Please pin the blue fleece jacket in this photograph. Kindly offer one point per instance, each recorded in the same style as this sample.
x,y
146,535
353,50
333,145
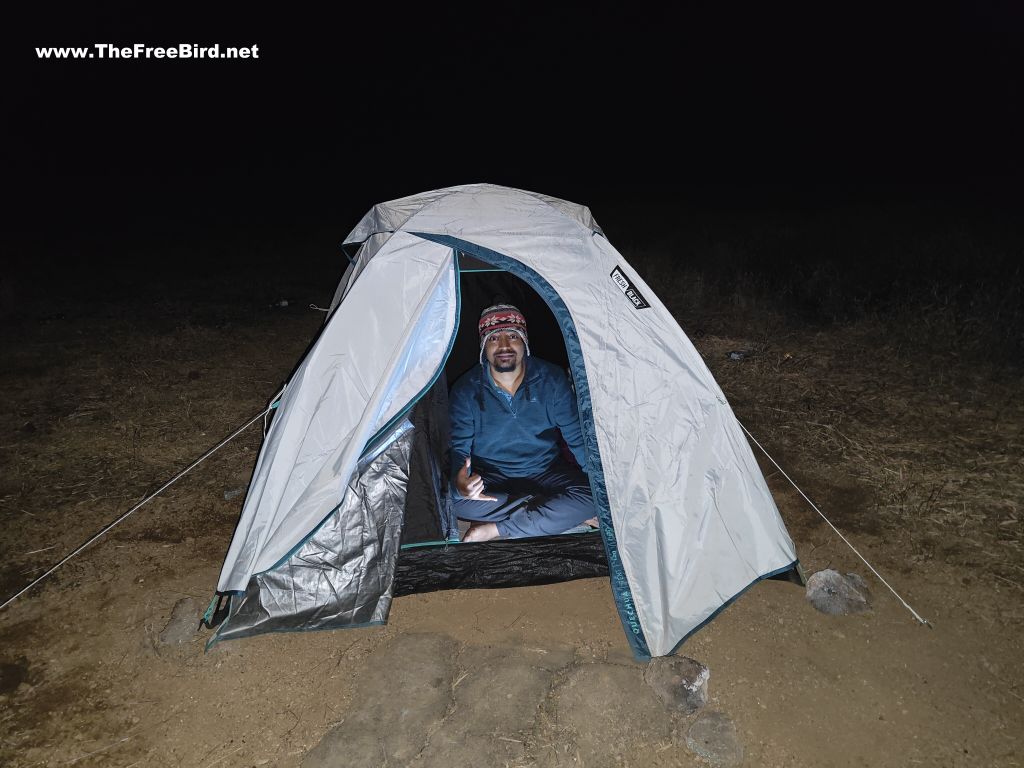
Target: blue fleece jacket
x,y
517,438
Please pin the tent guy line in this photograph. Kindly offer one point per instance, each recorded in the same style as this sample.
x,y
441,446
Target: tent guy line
x,y
107,528
151,496
266,411
838,533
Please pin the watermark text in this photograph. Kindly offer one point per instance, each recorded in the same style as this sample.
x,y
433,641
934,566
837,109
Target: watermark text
x,y
143,51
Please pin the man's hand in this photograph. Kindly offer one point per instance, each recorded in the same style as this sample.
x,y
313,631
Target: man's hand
x,y
471,486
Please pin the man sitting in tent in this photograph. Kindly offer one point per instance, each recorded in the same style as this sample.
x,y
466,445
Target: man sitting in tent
x,y
506,416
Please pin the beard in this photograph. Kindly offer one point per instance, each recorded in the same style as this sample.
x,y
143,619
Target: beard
x,y
503,362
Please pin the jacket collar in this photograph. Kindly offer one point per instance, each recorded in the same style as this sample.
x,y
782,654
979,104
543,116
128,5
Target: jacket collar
x,y
533,375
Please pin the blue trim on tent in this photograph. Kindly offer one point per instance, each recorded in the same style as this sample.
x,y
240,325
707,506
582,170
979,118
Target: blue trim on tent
x,y
795,565
418,544
620,585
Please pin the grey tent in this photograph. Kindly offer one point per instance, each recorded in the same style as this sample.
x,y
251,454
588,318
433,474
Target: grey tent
x,y
348,504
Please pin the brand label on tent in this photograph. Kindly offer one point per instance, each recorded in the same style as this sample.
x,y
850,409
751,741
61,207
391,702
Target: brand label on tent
x,y
639,302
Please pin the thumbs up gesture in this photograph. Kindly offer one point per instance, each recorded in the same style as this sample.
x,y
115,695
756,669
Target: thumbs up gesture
x,y
471,486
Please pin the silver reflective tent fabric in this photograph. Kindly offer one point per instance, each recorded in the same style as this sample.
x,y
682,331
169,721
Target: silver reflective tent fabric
x,y
689,521
342,575
377,352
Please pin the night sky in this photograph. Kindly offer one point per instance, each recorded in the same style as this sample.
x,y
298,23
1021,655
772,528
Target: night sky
x,y
599,104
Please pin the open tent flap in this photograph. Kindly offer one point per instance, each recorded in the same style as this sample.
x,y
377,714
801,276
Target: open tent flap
x,y
341,576
381,348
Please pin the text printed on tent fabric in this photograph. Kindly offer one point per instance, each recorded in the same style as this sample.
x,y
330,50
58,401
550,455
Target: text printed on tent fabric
x,y
639,302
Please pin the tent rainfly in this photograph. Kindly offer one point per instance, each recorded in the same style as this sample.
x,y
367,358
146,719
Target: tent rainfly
x,y
349,501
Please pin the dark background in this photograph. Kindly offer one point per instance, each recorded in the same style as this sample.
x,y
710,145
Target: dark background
x,y
716,113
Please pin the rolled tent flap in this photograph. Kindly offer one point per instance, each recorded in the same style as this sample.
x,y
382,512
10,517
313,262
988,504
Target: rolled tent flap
x,y
381,347
342,575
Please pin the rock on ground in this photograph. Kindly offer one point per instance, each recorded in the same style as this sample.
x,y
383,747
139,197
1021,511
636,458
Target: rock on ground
x,y
424,701
607,713
401,697
714,738
831,592
182,626
497,694
680,682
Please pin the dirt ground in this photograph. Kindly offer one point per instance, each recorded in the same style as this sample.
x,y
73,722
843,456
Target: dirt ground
x,y
916,455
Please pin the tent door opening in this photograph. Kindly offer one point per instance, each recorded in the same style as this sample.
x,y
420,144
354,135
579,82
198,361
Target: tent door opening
x,y
425,562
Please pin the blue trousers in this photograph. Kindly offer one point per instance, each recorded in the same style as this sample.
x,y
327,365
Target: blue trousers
x,y
556,501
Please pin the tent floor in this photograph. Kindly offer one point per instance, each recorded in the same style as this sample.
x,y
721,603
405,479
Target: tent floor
x,y
500,563
510,563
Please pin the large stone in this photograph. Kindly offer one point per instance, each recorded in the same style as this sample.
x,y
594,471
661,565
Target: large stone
x,y
714,738
401,697
182,626
604,715
498,692
831,592
680,682
502,688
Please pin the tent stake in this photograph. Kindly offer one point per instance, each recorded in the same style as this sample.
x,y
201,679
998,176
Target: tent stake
x,y
838,532
153,495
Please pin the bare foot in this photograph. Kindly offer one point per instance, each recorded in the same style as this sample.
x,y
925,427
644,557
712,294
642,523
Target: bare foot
x,y
482,532
592,522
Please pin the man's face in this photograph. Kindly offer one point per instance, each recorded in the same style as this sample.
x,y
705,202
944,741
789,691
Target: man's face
x,y
504,351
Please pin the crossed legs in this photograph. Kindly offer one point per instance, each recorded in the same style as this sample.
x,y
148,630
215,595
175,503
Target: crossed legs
x,y
560,500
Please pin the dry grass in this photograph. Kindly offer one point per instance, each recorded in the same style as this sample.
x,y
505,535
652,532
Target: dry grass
x,y
103,408
906,446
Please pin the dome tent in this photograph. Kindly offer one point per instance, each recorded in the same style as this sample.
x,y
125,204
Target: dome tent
x,y
356,449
